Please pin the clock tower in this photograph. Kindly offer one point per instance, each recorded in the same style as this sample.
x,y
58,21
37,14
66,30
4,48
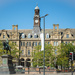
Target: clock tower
x,y
36,28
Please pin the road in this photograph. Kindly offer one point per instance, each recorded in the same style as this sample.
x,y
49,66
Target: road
x,y
42,74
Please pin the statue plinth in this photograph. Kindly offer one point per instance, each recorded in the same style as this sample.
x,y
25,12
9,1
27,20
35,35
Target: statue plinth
x,y
7,65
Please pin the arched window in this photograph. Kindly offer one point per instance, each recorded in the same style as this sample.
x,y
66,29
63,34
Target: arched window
x,y
23,35
35,36
47,35
29,36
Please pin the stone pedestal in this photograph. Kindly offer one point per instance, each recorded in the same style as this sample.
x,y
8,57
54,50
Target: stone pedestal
x,y
7,65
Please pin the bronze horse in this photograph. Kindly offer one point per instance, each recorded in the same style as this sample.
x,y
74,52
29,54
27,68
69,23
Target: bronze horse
x,y
6,47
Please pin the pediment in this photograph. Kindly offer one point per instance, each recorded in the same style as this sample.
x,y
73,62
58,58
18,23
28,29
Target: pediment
x,y
4,34
67,34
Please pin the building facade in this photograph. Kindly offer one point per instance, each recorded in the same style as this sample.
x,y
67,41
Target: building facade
x,y
27,39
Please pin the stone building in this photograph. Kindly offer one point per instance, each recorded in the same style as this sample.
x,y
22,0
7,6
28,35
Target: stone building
x,y
28,38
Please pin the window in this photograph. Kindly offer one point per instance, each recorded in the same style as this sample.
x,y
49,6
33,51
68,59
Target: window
x,y
55,43
66,42
23,43
35,36
29,36
39,43
67,35
3,36
48,42
35,43
23,36
22,52
28,52
29,43
47,35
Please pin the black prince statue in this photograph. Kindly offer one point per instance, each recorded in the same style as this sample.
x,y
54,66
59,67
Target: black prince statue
x,y
6,46
7,64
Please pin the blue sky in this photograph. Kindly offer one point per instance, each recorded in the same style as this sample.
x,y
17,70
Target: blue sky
x,y
21,12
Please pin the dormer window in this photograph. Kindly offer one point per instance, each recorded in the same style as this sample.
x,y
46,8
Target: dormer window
x,y
29,36
3,36
67,35
23,35
35,36
47,35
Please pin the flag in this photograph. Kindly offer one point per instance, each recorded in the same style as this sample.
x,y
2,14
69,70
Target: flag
x,y
42,41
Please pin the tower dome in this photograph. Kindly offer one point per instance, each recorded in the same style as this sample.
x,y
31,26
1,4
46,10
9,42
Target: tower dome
x,y
36,7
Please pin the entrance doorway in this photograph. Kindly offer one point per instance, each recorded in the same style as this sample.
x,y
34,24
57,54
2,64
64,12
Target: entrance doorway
x,y
28,64
22,62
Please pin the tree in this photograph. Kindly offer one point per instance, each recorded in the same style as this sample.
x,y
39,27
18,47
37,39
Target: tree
x,y
38,56
63,54
14,50
1,48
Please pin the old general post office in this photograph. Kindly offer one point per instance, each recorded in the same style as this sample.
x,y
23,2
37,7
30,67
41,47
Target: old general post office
x,y
27,39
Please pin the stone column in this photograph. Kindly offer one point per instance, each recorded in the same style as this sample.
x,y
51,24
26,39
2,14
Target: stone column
x,y
31,63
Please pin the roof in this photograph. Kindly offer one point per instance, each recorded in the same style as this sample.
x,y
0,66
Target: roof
x,y
36,7
49,31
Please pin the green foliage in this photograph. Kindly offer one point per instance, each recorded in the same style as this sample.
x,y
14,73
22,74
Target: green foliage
x,y
63,54
14,50
38,56
62,57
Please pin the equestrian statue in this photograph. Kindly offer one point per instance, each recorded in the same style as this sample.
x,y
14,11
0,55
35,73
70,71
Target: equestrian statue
x,y
6,47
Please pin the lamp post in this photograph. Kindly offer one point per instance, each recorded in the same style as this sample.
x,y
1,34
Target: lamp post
x,y
44,43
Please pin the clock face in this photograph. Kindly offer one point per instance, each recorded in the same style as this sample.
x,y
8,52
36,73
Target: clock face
x,y
36,21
